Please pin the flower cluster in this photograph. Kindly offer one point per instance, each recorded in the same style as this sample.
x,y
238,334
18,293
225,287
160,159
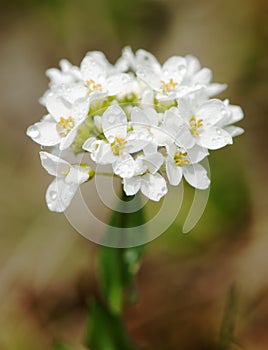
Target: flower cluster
x,y
152,123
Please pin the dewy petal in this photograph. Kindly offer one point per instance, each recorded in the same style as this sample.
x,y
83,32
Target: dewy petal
x,y
44,133
57,107
210,112
132,185
214,138
174,173
91,69
125,166
150,77
77,175
114,123
174,68
115,84
79,110
59,194
54,165
153,186
196,176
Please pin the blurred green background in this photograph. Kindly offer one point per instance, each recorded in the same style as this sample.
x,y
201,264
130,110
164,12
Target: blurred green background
x,y
48,270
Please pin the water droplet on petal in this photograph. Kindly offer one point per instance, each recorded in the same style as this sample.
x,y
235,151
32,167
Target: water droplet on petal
x,y
111,119
53,195
125,79
218,131
33,131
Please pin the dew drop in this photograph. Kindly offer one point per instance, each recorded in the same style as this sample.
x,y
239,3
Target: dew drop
x,y
218,131
111,119
53,195
33,132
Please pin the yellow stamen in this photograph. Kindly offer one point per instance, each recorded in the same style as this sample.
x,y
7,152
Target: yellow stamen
x,y
169,86
92,86
195,125
118,146
179,158
65,125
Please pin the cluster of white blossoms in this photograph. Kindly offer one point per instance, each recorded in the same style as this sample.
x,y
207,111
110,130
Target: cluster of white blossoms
x,y
152,123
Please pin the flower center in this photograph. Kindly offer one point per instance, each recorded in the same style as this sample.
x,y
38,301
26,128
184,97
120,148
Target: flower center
x,y
92,86
180,160
65,125
169,86
195,124
118,146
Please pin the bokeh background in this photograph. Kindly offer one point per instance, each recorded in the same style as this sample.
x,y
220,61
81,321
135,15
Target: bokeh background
x,y
47,269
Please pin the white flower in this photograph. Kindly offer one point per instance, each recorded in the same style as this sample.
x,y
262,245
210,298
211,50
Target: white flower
x,y
180,162
100,79
146,178
118,143
61,125
179,76
204,122
68,178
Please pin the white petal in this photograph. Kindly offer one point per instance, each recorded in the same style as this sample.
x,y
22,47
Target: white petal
x,y
57,107
91,144
196,176
54,165
91,70
215,89
214,138
234,130
211,112
59,195
174,173
146,117
153,161
45,133
124,166
236,114
174,68
104,154
132,185
77,174
150,77
79,110
68,139
196,154
204,76
114,123
193,64
116,83
153,186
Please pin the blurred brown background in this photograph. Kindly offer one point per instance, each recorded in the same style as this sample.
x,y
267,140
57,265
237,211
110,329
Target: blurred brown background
x,y
47,270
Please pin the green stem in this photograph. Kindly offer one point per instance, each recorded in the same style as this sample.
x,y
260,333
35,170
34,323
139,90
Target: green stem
x,y
117,272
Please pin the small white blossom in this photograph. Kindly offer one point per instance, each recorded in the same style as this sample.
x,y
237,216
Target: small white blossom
x,y
68,178
61,125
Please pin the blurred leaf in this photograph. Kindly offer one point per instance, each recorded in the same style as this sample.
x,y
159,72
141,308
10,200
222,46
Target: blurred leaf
x,y
105,331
